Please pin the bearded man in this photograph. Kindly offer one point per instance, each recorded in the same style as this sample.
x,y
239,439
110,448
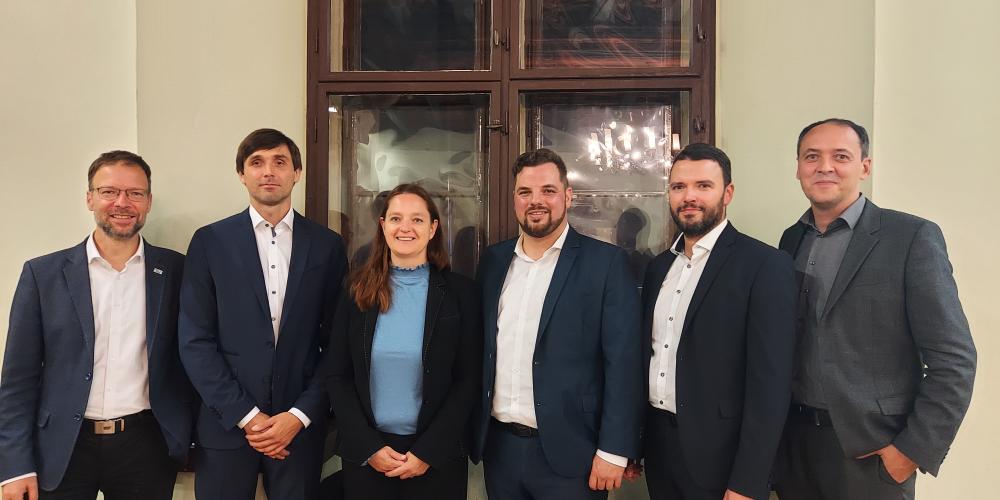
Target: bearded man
x,y
719,325
562,387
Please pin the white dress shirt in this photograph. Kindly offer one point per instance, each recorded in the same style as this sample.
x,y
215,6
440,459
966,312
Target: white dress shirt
x,y
274,247
120,379
518,317
669,312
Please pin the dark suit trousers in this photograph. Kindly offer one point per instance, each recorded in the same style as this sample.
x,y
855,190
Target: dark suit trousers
x,y
516,469
232,474
667,475
125,465
812,466
362,482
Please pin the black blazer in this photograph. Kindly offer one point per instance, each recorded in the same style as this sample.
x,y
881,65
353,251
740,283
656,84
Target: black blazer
x,y
452,363
734,361
48,366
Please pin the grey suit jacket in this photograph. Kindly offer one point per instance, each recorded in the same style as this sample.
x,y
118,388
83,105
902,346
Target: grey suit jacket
x,y
899,361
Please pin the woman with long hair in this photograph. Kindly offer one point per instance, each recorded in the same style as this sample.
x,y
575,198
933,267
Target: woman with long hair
x,y
404,362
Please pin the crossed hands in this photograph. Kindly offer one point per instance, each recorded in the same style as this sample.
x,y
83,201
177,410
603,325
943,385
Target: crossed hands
x,y
271,435
394,464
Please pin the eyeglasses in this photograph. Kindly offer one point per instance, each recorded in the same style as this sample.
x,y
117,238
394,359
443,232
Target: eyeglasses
x,y
112,193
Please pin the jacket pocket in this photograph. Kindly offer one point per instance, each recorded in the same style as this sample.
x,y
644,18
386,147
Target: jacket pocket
x,y
895,405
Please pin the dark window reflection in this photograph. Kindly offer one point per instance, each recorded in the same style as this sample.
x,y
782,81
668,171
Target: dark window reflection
x,y
607,33
417,35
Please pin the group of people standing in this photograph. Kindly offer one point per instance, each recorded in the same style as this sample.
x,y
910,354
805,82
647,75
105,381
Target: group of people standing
x,y
831,368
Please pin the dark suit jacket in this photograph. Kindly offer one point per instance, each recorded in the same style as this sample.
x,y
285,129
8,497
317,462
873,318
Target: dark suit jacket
x,y
226,339
893,309
49,362
734,361
452,360
587,374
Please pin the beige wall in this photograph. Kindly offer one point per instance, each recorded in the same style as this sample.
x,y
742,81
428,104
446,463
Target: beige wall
x,y
184,81
937,120
67,94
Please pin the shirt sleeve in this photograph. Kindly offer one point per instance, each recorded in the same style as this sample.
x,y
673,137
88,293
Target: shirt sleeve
x,y
246,420
613,459
25,476
301,416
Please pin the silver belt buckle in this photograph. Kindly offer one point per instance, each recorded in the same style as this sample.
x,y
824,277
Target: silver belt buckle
x,y
103,427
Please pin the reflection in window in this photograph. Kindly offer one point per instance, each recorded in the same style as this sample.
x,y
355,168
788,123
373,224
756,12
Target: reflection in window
x,y
411,35
606,33
437,141
618,148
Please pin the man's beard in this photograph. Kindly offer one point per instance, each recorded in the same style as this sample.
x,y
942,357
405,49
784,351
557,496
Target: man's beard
x,y
709,219
543,230
110,231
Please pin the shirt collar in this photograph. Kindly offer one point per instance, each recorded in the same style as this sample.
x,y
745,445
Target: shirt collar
x,y
256,219
850,216
94,254
555,246
706,242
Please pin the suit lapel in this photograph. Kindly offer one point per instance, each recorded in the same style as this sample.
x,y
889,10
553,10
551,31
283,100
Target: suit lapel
x,y
78,280
435,296
301,242
567,256
493,279
155,276
716,260
792,239
863,240
246,243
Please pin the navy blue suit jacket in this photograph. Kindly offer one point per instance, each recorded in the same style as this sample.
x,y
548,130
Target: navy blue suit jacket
x,y
49,362
734,361
226,339
587,373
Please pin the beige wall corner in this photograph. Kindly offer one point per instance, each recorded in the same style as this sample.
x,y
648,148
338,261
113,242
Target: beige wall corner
x,y
936,126
782,65
209,73
68,87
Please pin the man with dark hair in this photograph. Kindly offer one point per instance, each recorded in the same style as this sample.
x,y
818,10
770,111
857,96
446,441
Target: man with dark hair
x,y
885,360
562,400
718,315
93,396
259,289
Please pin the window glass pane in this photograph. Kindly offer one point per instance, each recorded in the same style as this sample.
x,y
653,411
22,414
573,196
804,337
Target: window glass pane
x,y
380,141
410,35
606,33
618,148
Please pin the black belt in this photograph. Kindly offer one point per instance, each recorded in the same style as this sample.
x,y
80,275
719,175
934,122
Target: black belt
x,y
519,430
116,425
807,414
668,417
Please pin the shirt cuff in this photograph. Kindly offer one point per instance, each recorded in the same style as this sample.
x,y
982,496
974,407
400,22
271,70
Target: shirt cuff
x,y
301,416
25,476
613,459
246,420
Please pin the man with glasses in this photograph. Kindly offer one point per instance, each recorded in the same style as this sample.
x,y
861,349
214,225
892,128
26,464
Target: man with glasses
x,y
93,396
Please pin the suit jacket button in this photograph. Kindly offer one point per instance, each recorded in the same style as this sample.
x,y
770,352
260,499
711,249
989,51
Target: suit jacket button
x,y
88,376
77,417
427,370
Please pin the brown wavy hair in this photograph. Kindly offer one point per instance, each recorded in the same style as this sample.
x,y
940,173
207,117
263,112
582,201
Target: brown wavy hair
x,y
370,282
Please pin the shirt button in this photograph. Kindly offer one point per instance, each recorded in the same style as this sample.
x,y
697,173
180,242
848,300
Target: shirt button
x,y
666,346
273,318
689,266
663,374
661,401
272,267
273,292
671,318
272,242
678,291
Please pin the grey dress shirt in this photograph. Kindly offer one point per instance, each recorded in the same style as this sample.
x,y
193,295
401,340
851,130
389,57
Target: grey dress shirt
x,y
816,265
